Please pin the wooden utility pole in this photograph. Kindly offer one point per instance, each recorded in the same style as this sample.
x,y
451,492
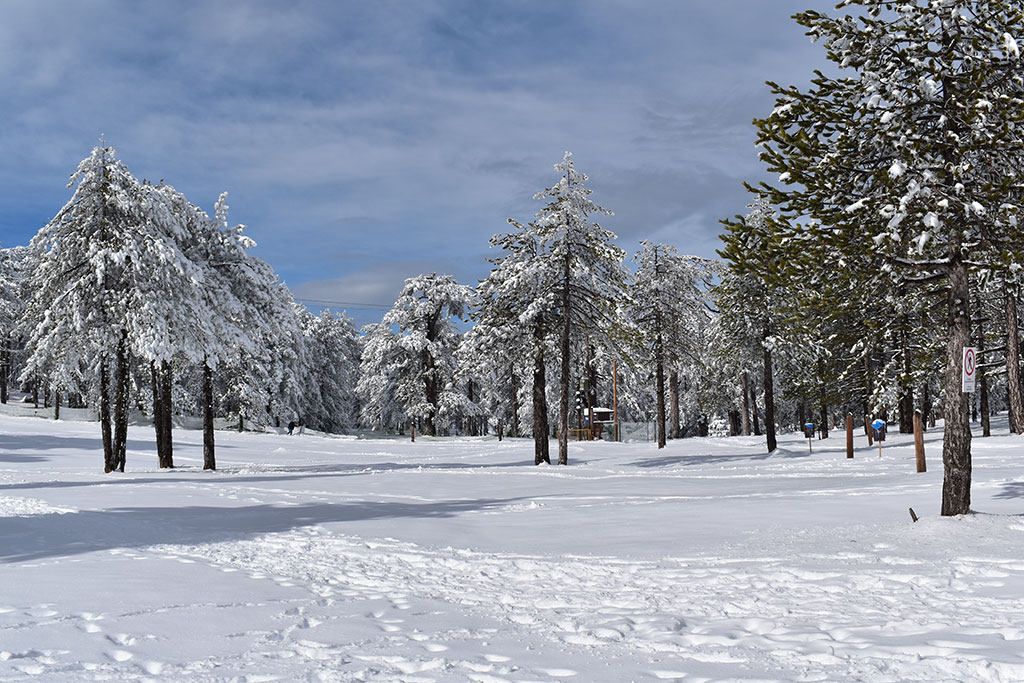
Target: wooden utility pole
x,y
849,435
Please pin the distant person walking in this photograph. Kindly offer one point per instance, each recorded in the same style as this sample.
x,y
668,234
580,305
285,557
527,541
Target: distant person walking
x,y
291,427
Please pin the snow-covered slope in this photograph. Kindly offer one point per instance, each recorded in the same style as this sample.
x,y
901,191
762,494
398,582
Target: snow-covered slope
x,y
316,558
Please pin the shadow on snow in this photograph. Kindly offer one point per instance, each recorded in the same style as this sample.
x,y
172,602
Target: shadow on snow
x,y
59,535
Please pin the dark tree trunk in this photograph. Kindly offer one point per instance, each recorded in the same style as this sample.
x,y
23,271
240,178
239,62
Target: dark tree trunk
x,y
823,429
108,443
744,386
563,400
659,382
802,414
514,401
753,409
5,367
926,406
430,387
906,397
158,422
769,401
823,401
956,442
541,444
868,390
986,426
209,456
56,404
906,409
432,382
166,413
1013,382
673,411
734,423
121,407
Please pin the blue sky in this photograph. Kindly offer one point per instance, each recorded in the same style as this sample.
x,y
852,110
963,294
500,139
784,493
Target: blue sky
x,y
366,142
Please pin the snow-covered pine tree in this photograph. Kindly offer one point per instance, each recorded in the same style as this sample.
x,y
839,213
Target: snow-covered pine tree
x,y
514,322
668,302
589,278
87,307
331,373
410,357
15,266
885,159
751,300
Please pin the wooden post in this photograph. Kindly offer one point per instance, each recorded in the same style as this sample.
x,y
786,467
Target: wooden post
x,y
867,428
412,431
919,441
849,435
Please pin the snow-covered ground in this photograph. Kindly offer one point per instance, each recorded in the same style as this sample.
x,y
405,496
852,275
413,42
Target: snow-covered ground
x,y
314,558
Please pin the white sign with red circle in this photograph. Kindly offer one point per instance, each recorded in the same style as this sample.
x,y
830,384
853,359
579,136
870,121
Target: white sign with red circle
x,y
970,366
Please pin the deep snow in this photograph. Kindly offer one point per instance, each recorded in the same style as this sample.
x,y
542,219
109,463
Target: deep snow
x,y
317,558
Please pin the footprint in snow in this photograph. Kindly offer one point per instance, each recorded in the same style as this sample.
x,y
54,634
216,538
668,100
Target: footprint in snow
x,y
120,655
497,659
153,668
122,639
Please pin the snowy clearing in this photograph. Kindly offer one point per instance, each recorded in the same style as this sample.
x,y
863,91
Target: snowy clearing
x,y
333,559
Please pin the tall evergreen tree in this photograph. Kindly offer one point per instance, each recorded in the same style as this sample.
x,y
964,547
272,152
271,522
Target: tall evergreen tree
x,y
587,275
885,159
411,355
668,305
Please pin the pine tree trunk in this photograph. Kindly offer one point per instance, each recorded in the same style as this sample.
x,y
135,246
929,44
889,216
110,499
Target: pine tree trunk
x,y
514,400
563,401
744,381
868,390
56,404
541,444
659,379
673,411
1016,398
769,401
956,442
823,427
926,406
5,368
166,413
158,423
121,405
753,409
108,444
209,456
986,426
430,391
660,384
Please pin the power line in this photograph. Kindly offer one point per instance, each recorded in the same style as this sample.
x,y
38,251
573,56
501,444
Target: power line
x,y
347,304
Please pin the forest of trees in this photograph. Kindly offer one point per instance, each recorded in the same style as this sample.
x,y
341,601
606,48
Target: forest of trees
x,y
889,242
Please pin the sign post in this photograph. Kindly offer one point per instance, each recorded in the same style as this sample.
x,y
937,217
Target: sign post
x,y
878,427
809,433
969,366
